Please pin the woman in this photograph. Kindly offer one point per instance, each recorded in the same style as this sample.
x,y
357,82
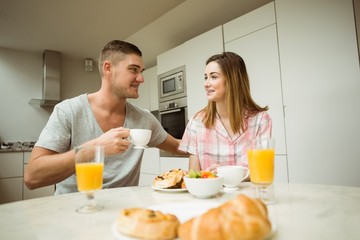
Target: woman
x,y
217,134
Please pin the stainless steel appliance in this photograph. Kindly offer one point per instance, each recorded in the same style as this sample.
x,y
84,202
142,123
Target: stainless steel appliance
x,y
173,116
173,103
172,84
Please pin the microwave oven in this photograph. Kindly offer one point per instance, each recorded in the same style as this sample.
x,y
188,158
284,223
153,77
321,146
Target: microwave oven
x,y
172,84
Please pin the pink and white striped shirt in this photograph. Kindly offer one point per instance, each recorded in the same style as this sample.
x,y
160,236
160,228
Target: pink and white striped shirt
x,y
214,146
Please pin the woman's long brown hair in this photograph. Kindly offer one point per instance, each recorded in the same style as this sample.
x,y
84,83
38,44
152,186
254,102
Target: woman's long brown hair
x,y
237,92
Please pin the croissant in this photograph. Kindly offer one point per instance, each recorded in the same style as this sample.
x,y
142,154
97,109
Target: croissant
x,y
241,218
147,224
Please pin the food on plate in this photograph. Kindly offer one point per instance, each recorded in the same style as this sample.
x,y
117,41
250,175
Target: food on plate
x,y
147,224
200,174
240,218
171,179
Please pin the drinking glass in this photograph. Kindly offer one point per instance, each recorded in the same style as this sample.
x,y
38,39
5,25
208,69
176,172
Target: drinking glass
x,y
261,155
89,166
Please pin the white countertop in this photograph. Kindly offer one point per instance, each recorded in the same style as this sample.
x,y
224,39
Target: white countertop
x,y
303,211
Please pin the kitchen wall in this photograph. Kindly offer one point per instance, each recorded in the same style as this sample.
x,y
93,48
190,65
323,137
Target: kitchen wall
x,y
21,80
357,20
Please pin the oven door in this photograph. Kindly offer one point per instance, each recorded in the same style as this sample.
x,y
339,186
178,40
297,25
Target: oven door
x,y
174,121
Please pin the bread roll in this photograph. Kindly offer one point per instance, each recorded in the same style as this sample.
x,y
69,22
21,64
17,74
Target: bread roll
x,y
242,218
147,224
170,179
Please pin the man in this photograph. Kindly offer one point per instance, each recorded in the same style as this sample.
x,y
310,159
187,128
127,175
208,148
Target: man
x,y
100,118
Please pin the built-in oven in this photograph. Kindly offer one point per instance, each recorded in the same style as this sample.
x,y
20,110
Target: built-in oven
x,y
173,103
173,116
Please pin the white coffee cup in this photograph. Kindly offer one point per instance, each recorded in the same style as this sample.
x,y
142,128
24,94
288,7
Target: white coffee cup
x,y
140,137
233,176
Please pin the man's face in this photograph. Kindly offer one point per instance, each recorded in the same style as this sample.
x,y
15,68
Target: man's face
x,y
127,76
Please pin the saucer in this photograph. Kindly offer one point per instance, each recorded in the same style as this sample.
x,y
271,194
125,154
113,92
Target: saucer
x,y
140,147
230,189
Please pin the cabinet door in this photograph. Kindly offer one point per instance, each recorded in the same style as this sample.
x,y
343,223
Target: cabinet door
x,y
150,163
146,179
171,59
151,77
39,192
260,53
198,50
11,189
169,163
11,164
281,169
250,22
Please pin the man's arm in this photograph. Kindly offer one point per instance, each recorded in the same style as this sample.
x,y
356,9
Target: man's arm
x,y
46,167
171,145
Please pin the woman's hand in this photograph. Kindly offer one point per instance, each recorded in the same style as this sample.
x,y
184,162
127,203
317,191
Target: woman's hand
x,y
213,168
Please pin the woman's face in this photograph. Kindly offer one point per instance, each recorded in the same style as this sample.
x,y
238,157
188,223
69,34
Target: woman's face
x,y
214,82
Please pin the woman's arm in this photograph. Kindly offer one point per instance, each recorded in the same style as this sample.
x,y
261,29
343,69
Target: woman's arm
x,y
171,145
194,163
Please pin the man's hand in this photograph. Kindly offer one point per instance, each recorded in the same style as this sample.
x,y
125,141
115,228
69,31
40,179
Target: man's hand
x,y
115,141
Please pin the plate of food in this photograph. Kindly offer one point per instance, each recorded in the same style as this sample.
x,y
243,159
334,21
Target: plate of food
x,y
134,223
182,220
170,181
170,190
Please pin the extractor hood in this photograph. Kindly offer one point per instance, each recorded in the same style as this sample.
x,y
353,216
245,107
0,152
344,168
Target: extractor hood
x,y
51,80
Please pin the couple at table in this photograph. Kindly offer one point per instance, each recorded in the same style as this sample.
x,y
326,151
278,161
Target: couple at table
x,y
215,135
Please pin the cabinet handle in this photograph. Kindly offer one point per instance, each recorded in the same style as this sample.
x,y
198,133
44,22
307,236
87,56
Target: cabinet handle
x,y
171,111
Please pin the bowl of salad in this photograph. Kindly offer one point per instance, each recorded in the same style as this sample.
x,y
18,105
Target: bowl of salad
x,y
203,184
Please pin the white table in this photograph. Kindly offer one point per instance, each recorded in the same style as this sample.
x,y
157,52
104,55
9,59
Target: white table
x,y
302,212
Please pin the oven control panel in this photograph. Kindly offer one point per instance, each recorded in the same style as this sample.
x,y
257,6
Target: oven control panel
x,y
173,104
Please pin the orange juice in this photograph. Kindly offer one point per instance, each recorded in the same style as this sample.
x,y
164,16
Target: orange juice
x,y
261,165
89,176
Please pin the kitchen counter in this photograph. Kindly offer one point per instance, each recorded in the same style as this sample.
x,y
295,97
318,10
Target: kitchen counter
x,y
16,146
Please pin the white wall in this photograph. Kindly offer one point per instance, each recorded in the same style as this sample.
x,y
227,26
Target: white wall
x,y
21,80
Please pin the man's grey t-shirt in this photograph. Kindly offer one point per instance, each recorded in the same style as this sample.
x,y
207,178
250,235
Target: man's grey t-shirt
x,y
72,123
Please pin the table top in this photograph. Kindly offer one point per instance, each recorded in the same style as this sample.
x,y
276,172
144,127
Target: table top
x,y
302,211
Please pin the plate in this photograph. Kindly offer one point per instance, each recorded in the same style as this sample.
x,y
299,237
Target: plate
x,y
173,190
192,209
187,210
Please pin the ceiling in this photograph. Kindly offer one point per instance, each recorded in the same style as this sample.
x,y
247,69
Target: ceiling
x,y
80,28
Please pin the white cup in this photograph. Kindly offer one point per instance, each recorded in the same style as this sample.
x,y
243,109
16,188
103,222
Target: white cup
x,y
233,176
140,137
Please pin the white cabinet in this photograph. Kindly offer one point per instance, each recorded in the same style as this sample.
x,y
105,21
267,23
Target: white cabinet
x,y
147,95
250,22
39,192
321,85
11,177
169,163
12,187
153,165
198,50
260,53
151,77
150,166
281,169
150,161
171,59
254,37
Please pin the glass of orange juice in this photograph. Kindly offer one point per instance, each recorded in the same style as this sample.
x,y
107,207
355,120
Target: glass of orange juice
x,y
89,167
261,156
